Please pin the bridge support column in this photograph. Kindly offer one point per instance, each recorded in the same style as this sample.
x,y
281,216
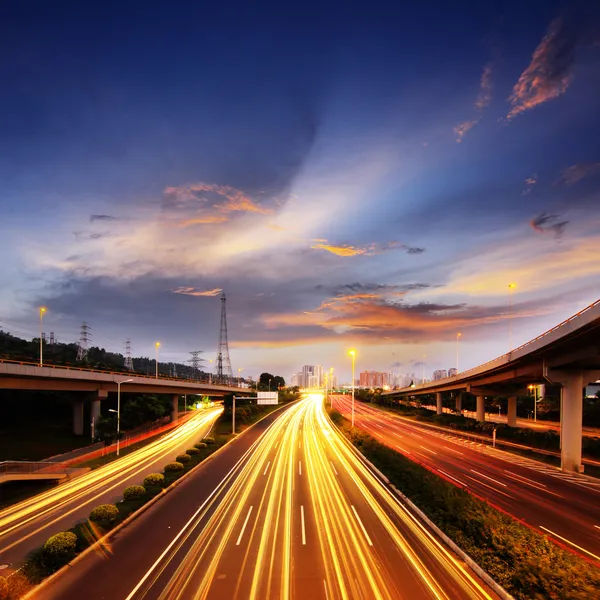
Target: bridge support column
x,y
481,408
438,403
571,407
78,416
512,411
174,407
458,405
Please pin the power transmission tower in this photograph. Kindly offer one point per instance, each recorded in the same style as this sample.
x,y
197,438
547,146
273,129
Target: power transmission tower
x,y
195,362
128,360
223,362
84,340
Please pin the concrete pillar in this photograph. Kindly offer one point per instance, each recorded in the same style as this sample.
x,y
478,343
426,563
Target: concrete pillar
x,y
78,416
438,403
459,398
174,407
572,422
481,408
512,411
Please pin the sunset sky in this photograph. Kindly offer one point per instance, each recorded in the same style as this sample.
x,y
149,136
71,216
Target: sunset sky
x,y
369,176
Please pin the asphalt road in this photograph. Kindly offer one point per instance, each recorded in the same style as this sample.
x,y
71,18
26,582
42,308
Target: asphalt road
x,y
564,506
286,511
28,524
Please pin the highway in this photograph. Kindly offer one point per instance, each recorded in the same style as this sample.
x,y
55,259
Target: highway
x,y
26,525
297,515
565,506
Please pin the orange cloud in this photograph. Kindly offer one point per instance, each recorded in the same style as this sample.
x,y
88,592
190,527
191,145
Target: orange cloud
x,y
190,291
485,88
548,75
208,219
342,250
276,227
462,128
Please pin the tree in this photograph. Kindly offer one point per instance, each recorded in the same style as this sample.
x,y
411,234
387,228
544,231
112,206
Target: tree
x,y
277,382
264,378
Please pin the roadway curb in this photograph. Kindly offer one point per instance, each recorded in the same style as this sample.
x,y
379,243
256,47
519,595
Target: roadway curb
x,y
138,513
432,526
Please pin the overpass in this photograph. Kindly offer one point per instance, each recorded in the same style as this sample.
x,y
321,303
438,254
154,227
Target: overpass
x,y
96,385
567,355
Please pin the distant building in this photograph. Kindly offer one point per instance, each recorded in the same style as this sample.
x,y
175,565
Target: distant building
x,y
440,374
452,372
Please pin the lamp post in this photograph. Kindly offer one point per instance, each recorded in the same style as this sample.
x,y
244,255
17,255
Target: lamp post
x,y
533,392
210,372
353,355
157,346
269,385
331,385
42,311
118,411
458,335
511,287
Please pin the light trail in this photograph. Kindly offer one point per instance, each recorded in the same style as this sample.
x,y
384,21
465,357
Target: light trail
x,y
305,533
21,521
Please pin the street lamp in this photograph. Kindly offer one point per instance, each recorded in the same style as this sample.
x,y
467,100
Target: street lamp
x,y
210,371
269,385
352,353
331,386
458,335
42,311
533,392
511,287
157,346
118,411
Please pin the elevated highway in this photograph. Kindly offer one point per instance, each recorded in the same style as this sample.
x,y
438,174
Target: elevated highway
x,y
97,384
567,355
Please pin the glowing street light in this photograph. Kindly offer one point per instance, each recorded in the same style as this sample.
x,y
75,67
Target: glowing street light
x,y
352,353
43,309
239,376
511,287
458,336
210,371
118,411
157,346
330,386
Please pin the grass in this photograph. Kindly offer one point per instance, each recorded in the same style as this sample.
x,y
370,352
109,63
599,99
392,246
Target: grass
x,y
527,564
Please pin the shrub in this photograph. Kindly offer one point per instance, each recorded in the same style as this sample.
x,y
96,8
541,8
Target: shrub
x,y
173,467
3,588
157,479
200,445
134,492
192,451
104,514
59,548
209,440
183,458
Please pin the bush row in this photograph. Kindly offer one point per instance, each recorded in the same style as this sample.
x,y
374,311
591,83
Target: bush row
x,y
524,562
62,547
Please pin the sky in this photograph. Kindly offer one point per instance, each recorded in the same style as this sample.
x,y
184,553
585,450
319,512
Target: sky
x,y
368,176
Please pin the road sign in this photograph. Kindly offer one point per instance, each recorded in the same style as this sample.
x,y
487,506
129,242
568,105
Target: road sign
x,y
267,398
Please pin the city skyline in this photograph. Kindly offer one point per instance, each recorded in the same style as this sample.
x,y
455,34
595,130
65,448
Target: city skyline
x,y
379,195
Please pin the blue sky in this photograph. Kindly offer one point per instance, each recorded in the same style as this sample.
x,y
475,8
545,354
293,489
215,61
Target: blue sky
x,y
370,176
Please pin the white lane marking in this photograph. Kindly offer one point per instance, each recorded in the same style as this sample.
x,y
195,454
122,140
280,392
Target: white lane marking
x,y
597,526
361,525
398,435
453,450
326,592
494,480
267,468
570,542
428,450
533,484
303,529
448,475
333,467
300,467
491,487
244,527
403,449
417,436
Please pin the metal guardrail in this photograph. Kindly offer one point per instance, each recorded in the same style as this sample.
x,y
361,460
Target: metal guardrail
x,y
104,371
26,467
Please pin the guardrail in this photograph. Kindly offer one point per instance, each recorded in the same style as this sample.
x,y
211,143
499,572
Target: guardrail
x,y
26,467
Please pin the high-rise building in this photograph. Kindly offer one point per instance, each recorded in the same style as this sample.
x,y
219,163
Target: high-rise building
x,y
440,374
452,372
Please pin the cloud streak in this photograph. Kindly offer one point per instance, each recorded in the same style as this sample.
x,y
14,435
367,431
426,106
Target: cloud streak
x,y
575,173
530,182
550,72
484,97
547,223
190,291
346,250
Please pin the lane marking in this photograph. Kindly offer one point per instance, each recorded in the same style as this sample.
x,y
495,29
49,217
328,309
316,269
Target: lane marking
x,y
244,527
453,450
494,480
597,527
427,449
397,435
570,542
333,467
534,485
491,487
267,468
303,529
326,592
403,449
448,475
300,467
525,478
361,525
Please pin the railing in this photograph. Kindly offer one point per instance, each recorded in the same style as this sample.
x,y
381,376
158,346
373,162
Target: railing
x,y
26,467
104,371
508,356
